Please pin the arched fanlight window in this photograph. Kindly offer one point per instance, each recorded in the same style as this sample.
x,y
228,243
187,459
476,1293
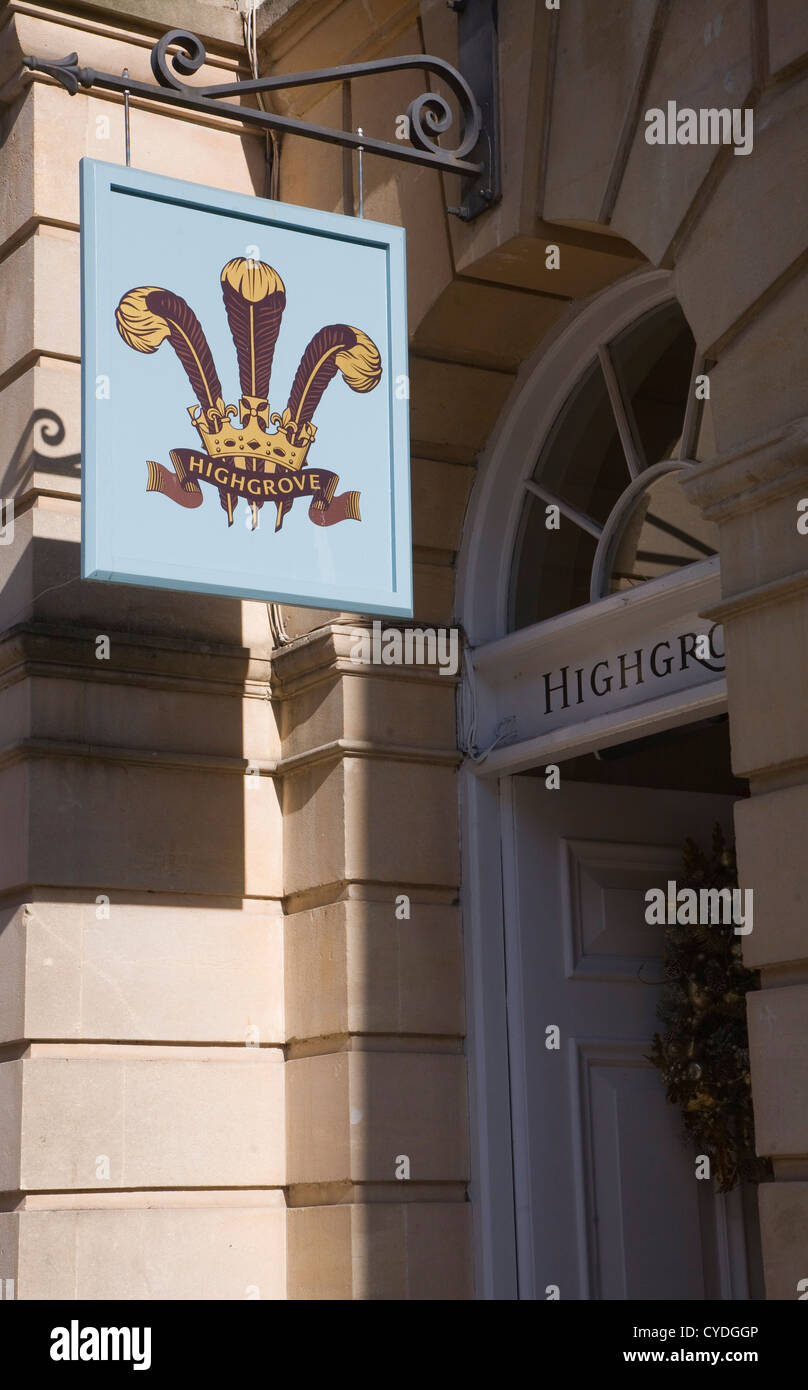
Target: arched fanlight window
x,y
612,463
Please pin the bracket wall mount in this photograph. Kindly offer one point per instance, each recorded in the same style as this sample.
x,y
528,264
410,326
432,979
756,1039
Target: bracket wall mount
x,y
429,115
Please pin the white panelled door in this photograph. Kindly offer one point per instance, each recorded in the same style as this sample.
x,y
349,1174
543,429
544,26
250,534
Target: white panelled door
x,y
608,1203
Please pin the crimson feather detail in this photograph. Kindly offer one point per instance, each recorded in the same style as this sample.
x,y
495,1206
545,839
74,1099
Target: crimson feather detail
x,y
335,348
254,298
148,315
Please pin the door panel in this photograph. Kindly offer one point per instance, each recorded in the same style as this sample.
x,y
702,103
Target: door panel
x,y
608,1204
635,1166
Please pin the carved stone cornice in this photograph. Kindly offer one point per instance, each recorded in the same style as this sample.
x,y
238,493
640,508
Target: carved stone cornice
x,y
140,659
752,474
775,593
325,655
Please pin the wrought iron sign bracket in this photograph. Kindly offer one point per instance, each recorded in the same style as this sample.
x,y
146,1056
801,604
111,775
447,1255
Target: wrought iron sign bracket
x,y
477,55
429,115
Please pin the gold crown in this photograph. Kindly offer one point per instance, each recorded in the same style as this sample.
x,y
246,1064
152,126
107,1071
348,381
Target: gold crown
x,y
287,445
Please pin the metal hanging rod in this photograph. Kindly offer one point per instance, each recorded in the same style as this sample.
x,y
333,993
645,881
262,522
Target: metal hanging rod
x,y
429,115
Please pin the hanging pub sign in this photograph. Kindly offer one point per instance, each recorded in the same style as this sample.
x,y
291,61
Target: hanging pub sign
x,y
245,396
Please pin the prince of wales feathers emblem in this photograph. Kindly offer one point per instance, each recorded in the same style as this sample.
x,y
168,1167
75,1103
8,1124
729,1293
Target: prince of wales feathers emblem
x,y
246,460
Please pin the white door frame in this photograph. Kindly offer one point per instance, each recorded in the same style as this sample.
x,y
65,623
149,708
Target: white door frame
x,y
484,567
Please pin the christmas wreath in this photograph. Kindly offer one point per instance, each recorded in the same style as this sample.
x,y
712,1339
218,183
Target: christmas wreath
x,y
703,1055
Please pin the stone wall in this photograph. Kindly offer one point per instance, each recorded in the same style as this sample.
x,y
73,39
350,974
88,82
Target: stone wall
x,y
238,914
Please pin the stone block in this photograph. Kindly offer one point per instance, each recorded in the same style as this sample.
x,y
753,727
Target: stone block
x,y
11,1111
350,1115
704,61
587,263
770,842
354,967
440,493
784,1235
371,703
409,1251
730,261
778,1048
164,828
147,972
788,33
292,43
100,711
314,810
41,443
761,380
401,822
755,643
762,545
213,1120
39,287
149,1253
453,408
482,325
401,708
598,63
433,588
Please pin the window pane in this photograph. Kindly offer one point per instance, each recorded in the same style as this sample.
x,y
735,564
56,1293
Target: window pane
x,y
653,360
582,460
553,568
663,533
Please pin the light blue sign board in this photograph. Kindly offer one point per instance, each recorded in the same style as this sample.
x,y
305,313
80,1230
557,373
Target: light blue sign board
x,y
143,231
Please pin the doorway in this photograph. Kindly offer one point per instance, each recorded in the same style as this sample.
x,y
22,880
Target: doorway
x,y
585,584
606,1197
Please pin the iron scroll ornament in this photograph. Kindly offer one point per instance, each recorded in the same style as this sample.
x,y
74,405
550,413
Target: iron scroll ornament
x,y
429,114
